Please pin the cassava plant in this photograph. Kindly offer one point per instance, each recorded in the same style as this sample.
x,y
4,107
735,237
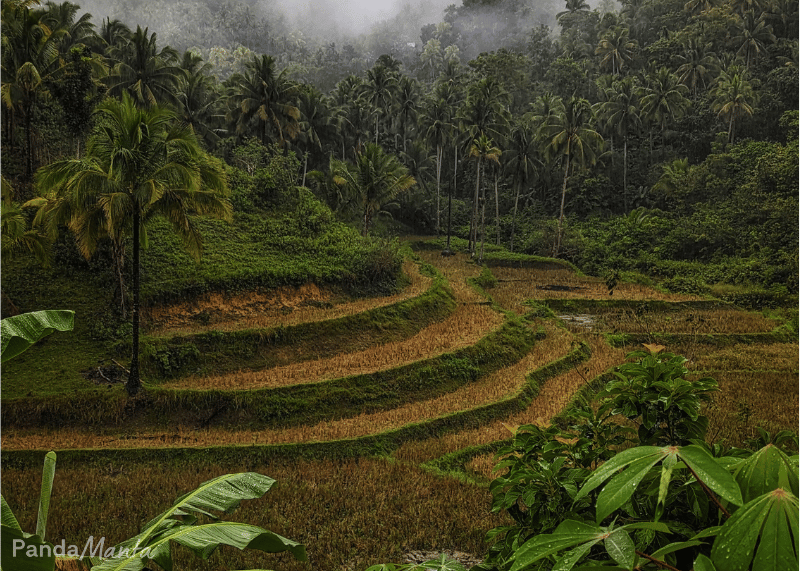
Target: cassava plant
x,y
680,505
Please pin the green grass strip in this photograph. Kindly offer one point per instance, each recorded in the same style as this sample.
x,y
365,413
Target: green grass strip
x,y
293,405
715,339
374,445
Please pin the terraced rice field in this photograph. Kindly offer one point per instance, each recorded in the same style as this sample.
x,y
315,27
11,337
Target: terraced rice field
x,y
757,377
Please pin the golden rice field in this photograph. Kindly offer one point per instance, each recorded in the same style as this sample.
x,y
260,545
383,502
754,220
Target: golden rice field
x,y
777,357
492,388
281,306
355,513
350,514
464,327
553,396
515,285
692,321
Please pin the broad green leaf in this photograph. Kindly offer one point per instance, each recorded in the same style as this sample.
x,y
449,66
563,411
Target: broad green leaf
x,y
672,547
654,525
622,486
703,563
618,462
7,516
442,564
569,559
777,548
20,551
708,532
666,476
222,493
543,546
770,519
19,332
764,471
621,548
203,540
48,474
711,473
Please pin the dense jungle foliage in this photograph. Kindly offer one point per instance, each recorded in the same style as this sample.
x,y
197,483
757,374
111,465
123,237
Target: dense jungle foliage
x,y
655,139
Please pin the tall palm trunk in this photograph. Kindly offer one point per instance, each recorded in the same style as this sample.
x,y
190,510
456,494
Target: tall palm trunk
x,y
483,223
561,215
438,188
625,173
133,384
450,197
496,208
514,216
473,231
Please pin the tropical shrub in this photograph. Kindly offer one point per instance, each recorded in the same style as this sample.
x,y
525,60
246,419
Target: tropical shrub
x,y
672,501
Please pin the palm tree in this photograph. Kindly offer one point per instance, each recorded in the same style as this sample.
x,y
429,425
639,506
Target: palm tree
x,y
140,164
29,58
150,75
379,91
571,135
406,105
198,100
437,123
522,160
754,36
697,63
663,100
376,178
486,109
616,48
734,98
482,149
621,113
316,122
264,98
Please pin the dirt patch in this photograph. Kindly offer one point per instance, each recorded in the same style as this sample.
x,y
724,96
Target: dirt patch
x,y
271,308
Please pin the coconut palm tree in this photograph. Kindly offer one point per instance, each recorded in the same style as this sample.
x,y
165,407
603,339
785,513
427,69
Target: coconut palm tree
x,y
150,75
753,37
621,114
375,179
663,100
264,99
199,104
140,164
29,58
406,104
521,160
698,63
379,91
734,98
437,123
482,149
615,48
571,135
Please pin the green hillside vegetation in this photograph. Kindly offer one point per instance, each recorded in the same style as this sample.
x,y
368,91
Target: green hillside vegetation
x,y
510,286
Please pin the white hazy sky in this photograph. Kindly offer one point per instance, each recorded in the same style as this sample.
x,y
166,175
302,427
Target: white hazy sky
x,y
357,16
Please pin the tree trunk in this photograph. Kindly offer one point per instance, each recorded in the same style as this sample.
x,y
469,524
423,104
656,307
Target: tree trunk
x,y
438,188
450,198
514,216
118,253
625,174
133,384
483,223
561,215
28,143
496,208
473,231
305,168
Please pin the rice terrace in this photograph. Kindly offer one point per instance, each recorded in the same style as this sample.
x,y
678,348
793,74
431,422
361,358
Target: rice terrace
x,y
499,285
